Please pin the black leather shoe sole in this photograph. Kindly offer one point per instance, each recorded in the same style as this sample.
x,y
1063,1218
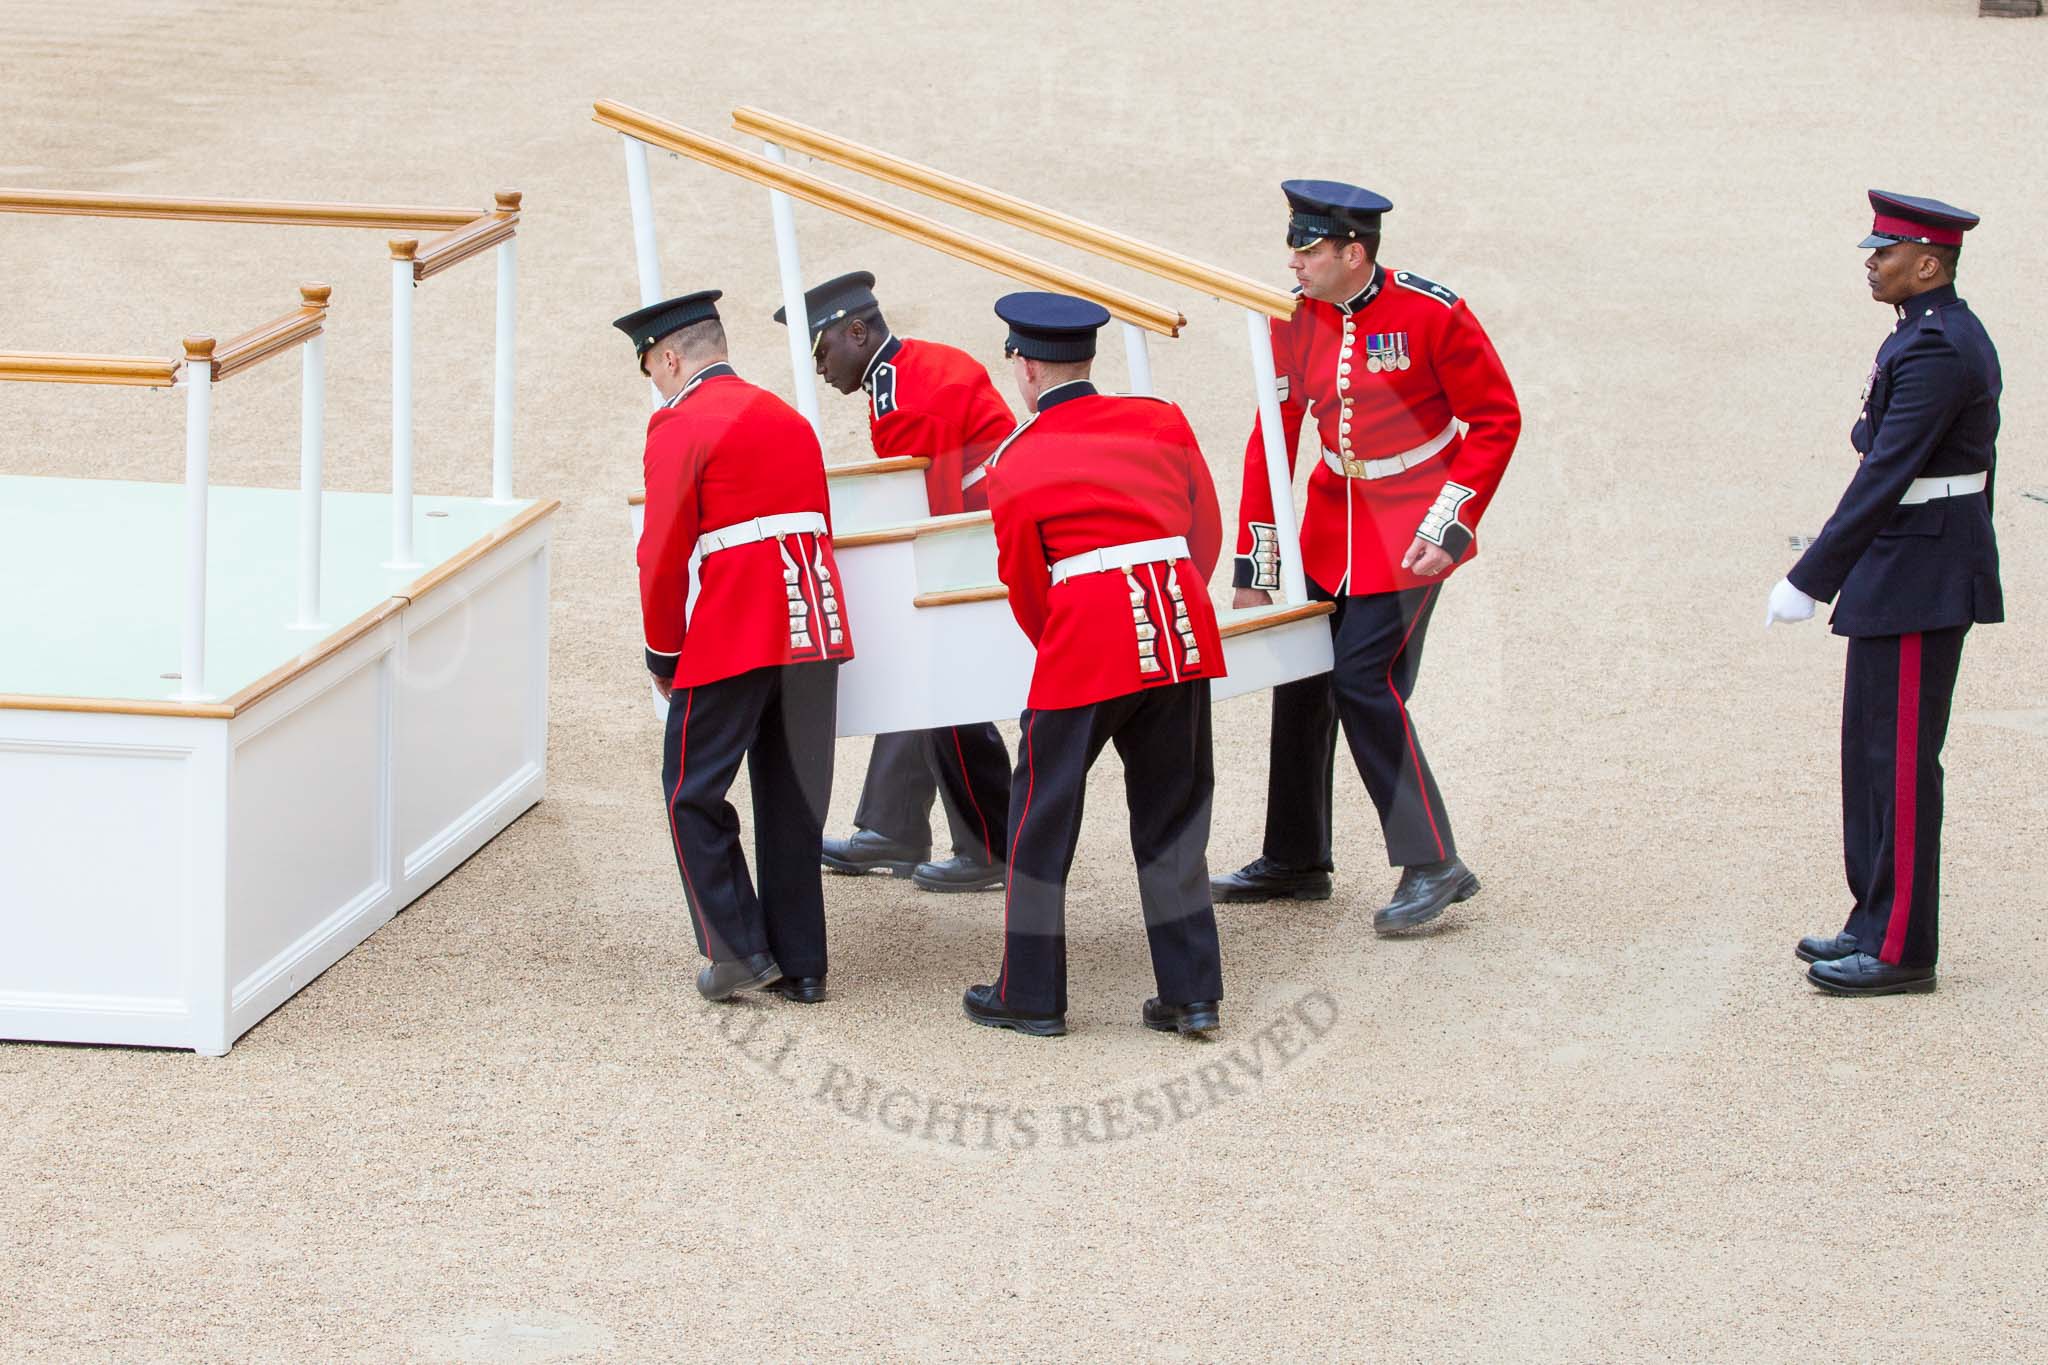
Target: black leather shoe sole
x,y
1923,985
847,867
992,882
799,990
712,987
1192,1020
1391,925
1238,893
1052,1026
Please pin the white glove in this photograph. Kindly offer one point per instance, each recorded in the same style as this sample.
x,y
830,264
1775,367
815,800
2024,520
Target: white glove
x,y
1788,604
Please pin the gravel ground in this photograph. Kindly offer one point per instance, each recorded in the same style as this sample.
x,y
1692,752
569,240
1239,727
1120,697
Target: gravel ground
x,y
1598,1116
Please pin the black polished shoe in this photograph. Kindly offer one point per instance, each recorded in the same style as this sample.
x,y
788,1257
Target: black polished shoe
x,y
1862,974
956,874
1199,1017
983,1008
723,980
1814,948
1262,879
804,990
868,851
1425,889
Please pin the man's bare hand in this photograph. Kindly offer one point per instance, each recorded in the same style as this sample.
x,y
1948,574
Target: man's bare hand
x,y
662,685
1240,598
1425,559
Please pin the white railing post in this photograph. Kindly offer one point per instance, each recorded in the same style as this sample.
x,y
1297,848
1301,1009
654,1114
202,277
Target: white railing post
x,y
1137,358
501,390
403,250
1279,484
198,424
803,369
312,451
641,193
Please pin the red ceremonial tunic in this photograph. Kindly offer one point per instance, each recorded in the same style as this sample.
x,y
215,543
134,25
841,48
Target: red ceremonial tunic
x,y
1389,374
723,453
1091,471
928,399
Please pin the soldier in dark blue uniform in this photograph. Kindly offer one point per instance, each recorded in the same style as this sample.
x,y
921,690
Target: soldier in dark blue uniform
x,y
1911,553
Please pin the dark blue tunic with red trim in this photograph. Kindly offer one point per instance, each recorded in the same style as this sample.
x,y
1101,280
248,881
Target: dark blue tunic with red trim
x,y
1930,410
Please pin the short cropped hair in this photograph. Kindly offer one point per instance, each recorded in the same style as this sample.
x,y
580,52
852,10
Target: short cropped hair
x,y
1370,241
695,339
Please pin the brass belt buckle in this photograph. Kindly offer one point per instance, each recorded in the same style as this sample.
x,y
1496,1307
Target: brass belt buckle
x,y
1354,469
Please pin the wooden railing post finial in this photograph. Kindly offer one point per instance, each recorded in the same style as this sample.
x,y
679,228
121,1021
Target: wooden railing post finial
x,y
315,295
508,200
199,349
404,248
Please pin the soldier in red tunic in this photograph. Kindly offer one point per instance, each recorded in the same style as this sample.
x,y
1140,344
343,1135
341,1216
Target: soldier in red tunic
x,y
1107,531
937,402
745,633
1416,421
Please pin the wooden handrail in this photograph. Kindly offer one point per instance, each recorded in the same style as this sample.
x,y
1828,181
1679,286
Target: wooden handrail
x,y
635,123
1005,208
471,239
953,597
279,212
46,367
275,337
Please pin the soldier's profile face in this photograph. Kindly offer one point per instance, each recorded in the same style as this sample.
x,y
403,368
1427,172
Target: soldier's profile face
x,y
1321,271
839,357
1893,272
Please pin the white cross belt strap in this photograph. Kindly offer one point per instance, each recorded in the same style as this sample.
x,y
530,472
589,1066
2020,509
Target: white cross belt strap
x,y
1948,486
1392,464
760,528
1162,551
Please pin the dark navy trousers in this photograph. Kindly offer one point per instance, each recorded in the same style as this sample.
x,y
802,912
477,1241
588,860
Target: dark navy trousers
x,y
1377,639
781,722
1162,735
966,766
1895,702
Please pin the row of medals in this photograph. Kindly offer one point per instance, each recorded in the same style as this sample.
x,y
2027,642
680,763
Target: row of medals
x,y
800,609
1141,618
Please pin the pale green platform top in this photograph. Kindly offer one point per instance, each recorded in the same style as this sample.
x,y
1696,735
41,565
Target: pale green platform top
x,y
92,579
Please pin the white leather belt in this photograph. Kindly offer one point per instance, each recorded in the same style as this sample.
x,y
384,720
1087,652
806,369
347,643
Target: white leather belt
x,y
760,528
1947,486
1390,465
974,476
1162,551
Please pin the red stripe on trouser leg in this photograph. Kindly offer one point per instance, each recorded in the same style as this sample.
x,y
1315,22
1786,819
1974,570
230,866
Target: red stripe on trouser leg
x,y
1010,869
1421,787
967,782
682,766
1905,798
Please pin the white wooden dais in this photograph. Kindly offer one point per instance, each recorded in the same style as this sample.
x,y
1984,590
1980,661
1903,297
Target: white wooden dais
x,y
170,879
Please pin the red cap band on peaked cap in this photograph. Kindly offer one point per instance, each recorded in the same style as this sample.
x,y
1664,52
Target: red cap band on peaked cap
x,y
1908,228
